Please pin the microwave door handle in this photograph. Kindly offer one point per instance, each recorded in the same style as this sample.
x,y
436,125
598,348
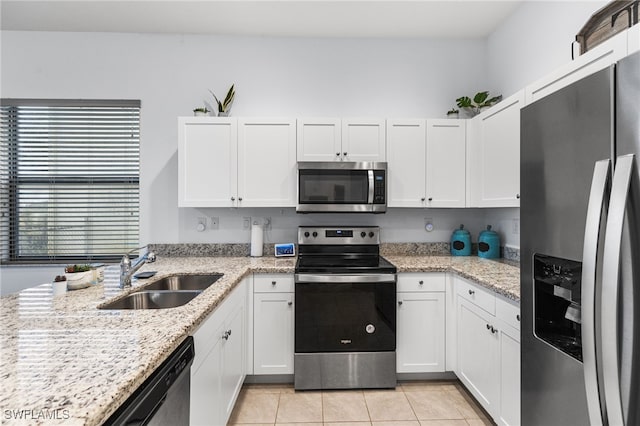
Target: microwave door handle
x,y
611,286
595,209
370,174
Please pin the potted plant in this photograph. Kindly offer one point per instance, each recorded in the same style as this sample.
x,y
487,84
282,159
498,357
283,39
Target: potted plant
x,y
78,276
224,107
453,113
200,111
480,100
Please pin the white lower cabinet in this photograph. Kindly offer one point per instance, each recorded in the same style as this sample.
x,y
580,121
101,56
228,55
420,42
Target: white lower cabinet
x,y
273,317
420,323
488,350
218,370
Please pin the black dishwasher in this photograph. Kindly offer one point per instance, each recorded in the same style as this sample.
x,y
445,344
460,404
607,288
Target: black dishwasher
x,y
163,399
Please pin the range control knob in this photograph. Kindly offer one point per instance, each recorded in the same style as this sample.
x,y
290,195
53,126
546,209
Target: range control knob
x,y
306,234
363,234
371,234
315,234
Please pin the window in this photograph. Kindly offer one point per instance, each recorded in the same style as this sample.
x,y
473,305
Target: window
x,y
69,179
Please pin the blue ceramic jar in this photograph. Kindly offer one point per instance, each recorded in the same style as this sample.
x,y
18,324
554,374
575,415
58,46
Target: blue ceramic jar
x,y
461,242
489,244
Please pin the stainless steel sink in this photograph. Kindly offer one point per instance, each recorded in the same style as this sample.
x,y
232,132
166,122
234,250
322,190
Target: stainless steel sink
x,y
184,282
159,299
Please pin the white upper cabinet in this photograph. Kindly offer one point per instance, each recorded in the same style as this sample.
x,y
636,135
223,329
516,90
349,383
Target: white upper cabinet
x,y
493,155
406,158
319,139
207,162
446,163
363,139
266,162
592,61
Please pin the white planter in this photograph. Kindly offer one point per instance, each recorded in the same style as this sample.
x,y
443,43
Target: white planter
x,y
78,280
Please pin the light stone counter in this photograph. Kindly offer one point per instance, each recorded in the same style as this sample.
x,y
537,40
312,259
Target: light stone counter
x,y
63,361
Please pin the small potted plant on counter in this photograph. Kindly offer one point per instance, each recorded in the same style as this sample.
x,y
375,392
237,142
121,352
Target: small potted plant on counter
x,y
200,111
224,107
453,113
480,101
78,276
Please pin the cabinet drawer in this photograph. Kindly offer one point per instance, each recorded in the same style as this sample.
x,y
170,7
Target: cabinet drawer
x,y
431,281
273,283
508,312
484,299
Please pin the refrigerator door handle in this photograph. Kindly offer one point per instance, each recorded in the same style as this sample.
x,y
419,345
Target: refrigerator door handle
x,y
595,209
611,287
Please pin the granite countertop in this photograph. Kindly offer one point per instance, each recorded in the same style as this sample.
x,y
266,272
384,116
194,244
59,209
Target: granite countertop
x,y
64,361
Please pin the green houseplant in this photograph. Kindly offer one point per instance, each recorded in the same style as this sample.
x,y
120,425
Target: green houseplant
x,y
479,101
225,106
200,111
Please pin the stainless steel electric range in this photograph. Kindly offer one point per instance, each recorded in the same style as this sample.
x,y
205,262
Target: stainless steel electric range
x,y
345,310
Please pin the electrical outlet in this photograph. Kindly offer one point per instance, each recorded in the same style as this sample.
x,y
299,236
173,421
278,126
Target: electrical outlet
x,y
515,226
246,222
215,222
428,224
267,224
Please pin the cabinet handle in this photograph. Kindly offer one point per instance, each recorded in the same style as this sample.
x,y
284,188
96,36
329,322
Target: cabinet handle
x,y
399,302
273,283
226,335
518,317
420,282
492,329
289,303
233,198
472,292
518,196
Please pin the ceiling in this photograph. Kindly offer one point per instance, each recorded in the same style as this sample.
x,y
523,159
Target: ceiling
x,y
308,18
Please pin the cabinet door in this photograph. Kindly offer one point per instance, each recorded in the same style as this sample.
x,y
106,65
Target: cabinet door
x,y
593,61
420,338
509,376
478,354
406,156
207,162
266,163
233,346
319,139
206,381
494,158
363,140
273,333
446,163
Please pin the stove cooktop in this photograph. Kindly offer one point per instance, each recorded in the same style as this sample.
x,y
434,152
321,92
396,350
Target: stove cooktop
x,y
344,265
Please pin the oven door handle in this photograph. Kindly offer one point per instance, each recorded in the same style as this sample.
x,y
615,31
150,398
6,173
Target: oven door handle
x,y
347,279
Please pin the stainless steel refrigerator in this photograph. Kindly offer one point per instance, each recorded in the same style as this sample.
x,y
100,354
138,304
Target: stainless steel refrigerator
x,y
580,252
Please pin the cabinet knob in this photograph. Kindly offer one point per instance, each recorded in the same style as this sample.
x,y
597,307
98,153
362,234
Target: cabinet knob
x,y
289,303
518,196
337,154
233,198
420,282
273,283
430,199
493,330
518,317
226,335
344,153
472,292
488,327
422,199
239,198
399,302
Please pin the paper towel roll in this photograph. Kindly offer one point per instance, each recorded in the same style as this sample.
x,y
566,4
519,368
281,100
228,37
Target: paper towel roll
x,y
257,236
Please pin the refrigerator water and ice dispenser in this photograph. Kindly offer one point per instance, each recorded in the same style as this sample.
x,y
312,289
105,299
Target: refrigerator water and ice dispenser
x,y
557,301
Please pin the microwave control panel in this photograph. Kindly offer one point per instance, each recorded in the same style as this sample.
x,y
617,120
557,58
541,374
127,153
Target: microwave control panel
x,y
379,186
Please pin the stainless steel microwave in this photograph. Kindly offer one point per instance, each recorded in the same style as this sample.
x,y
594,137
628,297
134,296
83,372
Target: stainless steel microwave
x,y
342,186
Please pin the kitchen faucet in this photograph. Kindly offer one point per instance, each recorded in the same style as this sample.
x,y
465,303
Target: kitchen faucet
x,y
127,269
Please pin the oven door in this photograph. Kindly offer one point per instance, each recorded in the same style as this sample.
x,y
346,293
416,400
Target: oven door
x,y
345,313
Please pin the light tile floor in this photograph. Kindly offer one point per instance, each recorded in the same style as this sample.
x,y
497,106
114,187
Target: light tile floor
x,y
440,403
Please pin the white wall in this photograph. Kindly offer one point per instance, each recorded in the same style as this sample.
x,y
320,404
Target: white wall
x,y
535,40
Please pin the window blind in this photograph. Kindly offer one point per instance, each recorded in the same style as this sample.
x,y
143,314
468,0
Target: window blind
x,y
69,179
